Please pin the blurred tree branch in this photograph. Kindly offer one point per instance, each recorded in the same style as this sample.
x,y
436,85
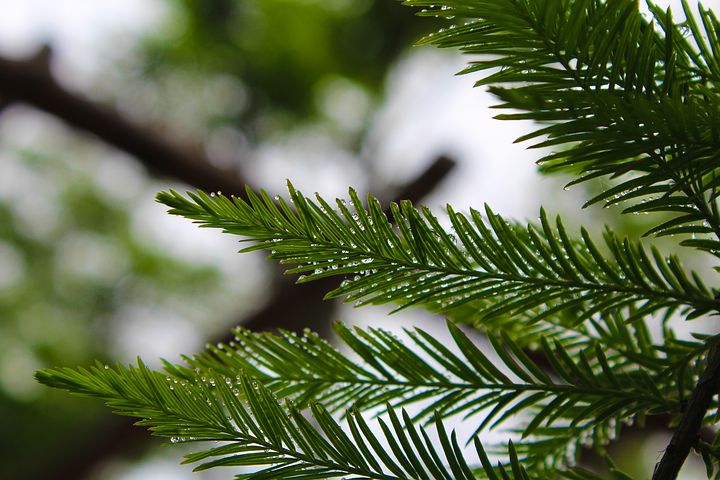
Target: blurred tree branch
x,y
30,81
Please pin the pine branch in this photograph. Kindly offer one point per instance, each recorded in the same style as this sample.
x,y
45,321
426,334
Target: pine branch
x,y
517,268
630,99
570,401
309,369
343,242
257,431
208,400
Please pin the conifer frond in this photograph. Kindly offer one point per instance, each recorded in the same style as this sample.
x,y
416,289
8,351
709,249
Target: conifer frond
x,y
634,99
579,395
307,369
511,269
229,395
249,428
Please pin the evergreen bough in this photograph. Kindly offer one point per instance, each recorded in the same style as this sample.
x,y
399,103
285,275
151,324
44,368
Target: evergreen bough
x,y
620,94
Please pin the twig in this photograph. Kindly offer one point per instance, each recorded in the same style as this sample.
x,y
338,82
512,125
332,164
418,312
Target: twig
x,y
686,434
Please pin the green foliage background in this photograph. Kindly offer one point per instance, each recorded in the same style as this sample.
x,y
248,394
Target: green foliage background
x,y
63,304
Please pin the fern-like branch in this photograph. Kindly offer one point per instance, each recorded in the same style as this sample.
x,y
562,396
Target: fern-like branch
x,y
570,401
307,368
255,431
634,98
517,268
214,399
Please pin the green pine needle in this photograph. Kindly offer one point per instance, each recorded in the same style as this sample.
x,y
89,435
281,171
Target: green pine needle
x,y
618,95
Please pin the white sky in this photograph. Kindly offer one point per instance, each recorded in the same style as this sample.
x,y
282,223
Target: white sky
x,y
79,29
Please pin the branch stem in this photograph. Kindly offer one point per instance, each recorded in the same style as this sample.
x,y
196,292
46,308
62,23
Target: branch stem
x,y
686,434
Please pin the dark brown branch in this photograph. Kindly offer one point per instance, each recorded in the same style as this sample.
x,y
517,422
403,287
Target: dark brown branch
x,y
424,183
686,435
29,81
